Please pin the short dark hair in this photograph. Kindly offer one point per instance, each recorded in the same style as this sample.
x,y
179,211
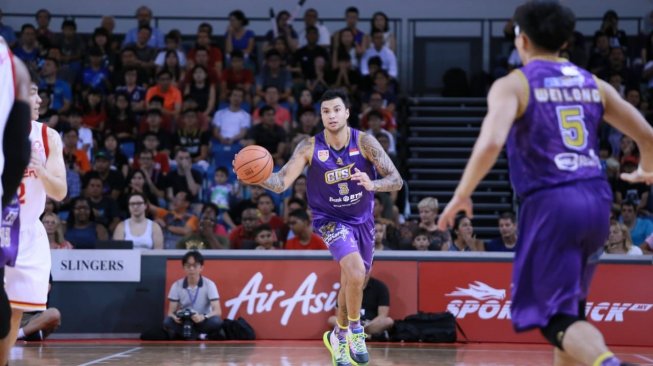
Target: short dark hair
x,y
421,232
375,60
374,113
271,53
265,109
145,26
630,203
306,110
211,206
46,11
27,26
69,23
508,216
332,94
199,258
154,111
163,72
222,169
261,228
298,201
352,9
238,14
313,29
300,214
547,23
206,26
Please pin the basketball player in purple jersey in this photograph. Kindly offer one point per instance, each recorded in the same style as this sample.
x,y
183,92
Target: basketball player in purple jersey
x,y
342,177
549,112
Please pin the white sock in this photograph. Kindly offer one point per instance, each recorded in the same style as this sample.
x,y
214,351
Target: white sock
x,y
21,333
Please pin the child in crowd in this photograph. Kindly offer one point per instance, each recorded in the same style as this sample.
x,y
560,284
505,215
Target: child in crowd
x,y
221,192
421,240
265,238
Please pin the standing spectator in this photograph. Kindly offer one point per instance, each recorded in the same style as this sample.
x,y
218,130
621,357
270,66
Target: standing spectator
x,y
7,33
311,20
238,37
281,114
508,230
273,73
230,125
202,90
83,232
428,215
144,17
214,53
170,94
639,228
72,51
306,55
380,22
619,241
377,48
105,210
242,237
197,294
464,238
143,232
135,92
237,76
54,229
195,141
265,238
269,134
27,49
176,222
300,223
183,178
60,92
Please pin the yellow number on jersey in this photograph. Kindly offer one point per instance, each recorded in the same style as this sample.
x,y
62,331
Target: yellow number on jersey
x,y
572,126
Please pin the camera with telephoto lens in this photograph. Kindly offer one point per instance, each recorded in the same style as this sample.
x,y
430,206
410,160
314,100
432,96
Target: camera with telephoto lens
x,y
186,315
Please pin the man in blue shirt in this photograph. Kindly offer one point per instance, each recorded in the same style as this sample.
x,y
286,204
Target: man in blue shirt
x,y
508,239
144,17
60,92
639,228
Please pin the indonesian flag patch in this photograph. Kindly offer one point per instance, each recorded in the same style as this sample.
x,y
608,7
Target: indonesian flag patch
x,y
354,151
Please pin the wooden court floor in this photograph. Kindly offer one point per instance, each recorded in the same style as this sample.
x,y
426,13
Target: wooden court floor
x,y
285,353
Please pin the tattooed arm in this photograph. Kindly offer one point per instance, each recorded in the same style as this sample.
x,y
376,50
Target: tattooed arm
x,y
281,180
373,151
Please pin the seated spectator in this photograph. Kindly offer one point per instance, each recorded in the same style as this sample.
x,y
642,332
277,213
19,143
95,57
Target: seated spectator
x,y
508,231
191,139
221,193
202,91
304,237
48,115
197,294
610,27
421,240
118,161
183,178
74,157
343,75
428,215
281,114
242,237
177,222
171,63
380,22
598,60
144,53
383,85
311,20
298,191
322,77
377,48
281,28
374,310
247,198
385,144
96,75
265,238
172,44
153,175
628,150
305,101
375,103
27,48
61,95
375,122
309,125
135,92
238,37
367,81
379,236
619,241
144,17
54,229
171,94
112,180
273,73
158,164
230,125
72,48
343,45
83,232
269,135
236,76
137,184
464,238
128,61
361,40
637,193
305,56
407,231
94,114
105,210
639,228
101,40
647,246
214,64
267,214
122,122
154,124
204,237
143,232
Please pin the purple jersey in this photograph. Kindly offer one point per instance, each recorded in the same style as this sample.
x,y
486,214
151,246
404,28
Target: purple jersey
x,y
332,195
9,231
555,141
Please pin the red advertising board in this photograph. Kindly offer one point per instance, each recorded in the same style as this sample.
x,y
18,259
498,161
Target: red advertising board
x,y
292,299
478,294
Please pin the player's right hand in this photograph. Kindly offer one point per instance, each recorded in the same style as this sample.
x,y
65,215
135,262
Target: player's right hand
x,y
638,176
457,204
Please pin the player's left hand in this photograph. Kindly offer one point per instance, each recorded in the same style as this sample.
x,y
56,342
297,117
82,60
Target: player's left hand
x,y
363,179
454,206
638,176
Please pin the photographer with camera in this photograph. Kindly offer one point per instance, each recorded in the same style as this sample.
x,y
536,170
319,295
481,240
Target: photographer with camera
x,y
194,310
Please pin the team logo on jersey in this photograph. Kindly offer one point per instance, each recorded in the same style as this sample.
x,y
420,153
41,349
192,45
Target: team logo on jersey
x,y
338,175
339,161
323,155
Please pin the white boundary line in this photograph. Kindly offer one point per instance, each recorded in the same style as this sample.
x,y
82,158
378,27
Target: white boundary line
x,y
647,359
115,355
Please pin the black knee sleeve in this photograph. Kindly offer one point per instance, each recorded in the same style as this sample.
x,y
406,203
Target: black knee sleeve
x,y
16,149
554,332
5,309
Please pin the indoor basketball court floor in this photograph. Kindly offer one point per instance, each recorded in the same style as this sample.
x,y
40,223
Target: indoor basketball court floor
x,y
302,353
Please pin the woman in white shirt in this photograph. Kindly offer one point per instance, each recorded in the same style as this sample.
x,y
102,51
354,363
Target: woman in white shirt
x,y
143,232
619,241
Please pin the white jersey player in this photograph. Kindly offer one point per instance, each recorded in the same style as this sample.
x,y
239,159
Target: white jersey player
x,y
27,282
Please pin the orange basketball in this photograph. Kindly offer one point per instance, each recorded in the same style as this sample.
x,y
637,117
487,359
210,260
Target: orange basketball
x,y
253,164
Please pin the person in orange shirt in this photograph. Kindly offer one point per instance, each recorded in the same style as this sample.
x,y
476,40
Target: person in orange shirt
x,y
74,157
171,95
304,238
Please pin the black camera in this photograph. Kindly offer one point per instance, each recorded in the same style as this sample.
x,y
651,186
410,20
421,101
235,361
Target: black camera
x,y
185,315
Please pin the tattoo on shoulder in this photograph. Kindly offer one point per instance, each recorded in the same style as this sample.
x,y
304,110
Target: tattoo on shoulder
x,y
374,152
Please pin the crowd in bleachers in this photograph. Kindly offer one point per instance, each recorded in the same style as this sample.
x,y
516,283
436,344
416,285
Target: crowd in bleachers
x,y
150,123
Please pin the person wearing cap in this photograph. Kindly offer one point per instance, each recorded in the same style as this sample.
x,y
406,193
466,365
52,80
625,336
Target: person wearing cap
x,y
112,180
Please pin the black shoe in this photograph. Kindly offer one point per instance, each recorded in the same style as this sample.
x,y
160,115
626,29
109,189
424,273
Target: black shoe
x,y
34,337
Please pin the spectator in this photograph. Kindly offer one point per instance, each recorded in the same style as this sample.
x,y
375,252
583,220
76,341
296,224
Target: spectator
x,y
376,103
238,37
311,20
54,229
202,90
172,45
144,17
76,159
236,76
7,33
143,232
154,125
322,77
628,150
204,237
197,294
105,210
268,216
170,94
360,38
379,236
385,144
96,75
375,122
344,45
619,241
508,230
27,49
598,61
647,246
344,75
421,240
306,101
48,115
428,214
112,180
129,60
377,48
60,92
183,177
297,190
221,192
136,93
236,210
286,54
274,74
214,64
230,125
304,237
153,171
94,112
639,228
638,193
101,40
137,181
265,238
72,51
117,160
281,29
269,134
306,55
367,81
177,222
281,114
375,310
308,126
464,238
610,27
122,123
83,232
190,138
380,22
242,237
171,63
383,85
43,32
407,231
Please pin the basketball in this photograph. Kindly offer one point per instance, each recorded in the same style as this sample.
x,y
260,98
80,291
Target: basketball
x,y
253,164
